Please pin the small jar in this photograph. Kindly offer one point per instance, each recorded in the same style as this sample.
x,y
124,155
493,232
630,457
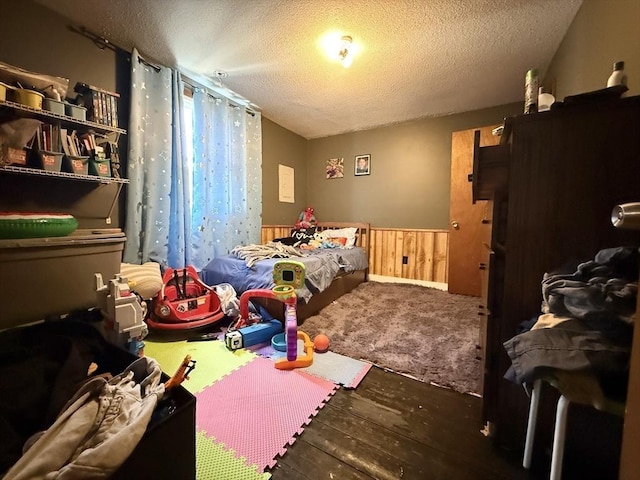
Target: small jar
x,y
617,77
545,100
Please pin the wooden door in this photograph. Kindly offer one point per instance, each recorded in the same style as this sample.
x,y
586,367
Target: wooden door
x,y
465,218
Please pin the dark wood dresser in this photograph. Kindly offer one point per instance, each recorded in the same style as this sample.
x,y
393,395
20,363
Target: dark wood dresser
x,y
551,185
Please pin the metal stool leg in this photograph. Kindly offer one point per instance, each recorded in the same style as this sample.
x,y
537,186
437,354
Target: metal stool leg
x,y
531,424
558,438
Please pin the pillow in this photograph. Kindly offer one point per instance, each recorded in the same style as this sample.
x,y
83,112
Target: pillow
x,y
349,233
303,235
337,241
146,278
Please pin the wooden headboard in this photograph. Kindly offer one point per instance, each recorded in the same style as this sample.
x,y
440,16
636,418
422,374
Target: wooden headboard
x,y
269,232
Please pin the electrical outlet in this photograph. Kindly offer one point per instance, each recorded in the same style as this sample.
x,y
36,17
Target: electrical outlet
x,y
405,260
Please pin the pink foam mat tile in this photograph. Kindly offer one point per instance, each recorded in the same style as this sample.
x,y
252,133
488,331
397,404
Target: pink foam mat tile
x,y
257,410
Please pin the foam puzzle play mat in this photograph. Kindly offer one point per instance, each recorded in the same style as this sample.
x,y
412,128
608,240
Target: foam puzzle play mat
x,y
239,434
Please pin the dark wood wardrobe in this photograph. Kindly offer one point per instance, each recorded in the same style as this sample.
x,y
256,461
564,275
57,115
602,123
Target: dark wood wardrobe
x,y
551,185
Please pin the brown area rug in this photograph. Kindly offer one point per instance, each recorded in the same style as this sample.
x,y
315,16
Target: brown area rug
x,y
426,333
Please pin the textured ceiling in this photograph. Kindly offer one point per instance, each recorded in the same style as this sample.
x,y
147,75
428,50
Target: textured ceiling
x,y
414,59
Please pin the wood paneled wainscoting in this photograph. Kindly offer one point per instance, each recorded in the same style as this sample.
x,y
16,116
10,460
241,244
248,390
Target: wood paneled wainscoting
x,y
414,254
409,253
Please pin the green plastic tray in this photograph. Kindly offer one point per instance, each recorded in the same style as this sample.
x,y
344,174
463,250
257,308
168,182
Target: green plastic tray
x,y
36,225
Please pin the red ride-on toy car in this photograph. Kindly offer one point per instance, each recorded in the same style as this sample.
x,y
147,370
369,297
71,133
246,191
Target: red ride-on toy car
x,y
184,302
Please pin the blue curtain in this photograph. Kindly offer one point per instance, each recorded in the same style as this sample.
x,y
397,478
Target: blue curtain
x,y
227,177
185,211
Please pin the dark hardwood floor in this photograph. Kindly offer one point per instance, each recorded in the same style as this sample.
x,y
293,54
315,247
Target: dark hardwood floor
x,y
393,427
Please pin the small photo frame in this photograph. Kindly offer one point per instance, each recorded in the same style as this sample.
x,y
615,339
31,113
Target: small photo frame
x,y
335,168
362,165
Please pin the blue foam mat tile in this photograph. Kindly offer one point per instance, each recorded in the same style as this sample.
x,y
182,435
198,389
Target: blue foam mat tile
x,y
336,368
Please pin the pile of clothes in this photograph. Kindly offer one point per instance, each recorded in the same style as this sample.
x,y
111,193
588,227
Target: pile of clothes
x,y
585,328
63,413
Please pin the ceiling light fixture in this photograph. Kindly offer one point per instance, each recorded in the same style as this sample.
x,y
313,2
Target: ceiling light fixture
x,y
345,58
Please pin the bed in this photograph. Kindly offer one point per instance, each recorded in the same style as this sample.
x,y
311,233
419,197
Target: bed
x,y
330,272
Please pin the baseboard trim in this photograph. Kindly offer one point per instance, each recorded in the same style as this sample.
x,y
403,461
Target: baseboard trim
x,y
423,283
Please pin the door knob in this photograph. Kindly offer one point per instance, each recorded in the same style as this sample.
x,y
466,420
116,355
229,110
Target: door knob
x,y
626,215
455,225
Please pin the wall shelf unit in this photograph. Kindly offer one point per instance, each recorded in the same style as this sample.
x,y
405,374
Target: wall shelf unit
x,y
73,176
19,109
11,110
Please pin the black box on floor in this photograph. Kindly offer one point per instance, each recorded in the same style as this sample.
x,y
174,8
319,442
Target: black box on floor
x,y
41,367
168,448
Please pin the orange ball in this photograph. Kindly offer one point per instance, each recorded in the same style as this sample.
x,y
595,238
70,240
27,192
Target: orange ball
x,y
321,343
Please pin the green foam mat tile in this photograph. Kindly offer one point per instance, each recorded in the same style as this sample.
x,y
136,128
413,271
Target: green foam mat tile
x,y
213,360
214,462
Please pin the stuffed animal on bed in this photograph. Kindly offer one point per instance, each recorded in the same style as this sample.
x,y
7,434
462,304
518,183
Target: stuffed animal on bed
x,y
306,219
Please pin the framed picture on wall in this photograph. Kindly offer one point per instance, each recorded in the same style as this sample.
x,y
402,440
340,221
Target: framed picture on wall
x,y
362,164
335,168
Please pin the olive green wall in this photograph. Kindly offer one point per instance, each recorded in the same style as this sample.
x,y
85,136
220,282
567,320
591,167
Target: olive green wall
x,y
410,175
282,147
35,38
410,171
603,32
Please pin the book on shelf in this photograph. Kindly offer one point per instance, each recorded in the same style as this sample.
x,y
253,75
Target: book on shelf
x,y
114,111
111,152
89,141
47,138
101,104
106,110
94,100
74,144
64,141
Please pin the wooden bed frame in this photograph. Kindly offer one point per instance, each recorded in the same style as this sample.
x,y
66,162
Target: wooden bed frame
x,y
343,283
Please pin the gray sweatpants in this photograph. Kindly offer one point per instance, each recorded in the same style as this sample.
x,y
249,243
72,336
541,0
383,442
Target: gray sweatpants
x,y
97,429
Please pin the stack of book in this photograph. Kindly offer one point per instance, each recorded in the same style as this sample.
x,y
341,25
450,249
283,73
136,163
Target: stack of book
x,y
46,138
101,105
80,144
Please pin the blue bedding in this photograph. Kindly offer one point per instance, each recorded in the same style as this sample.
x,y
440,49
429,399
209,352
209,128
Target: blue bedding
x,y
321,267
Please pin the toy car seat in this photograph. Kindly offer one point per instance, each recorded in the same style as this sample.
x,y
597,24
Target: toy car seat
x,y
184,302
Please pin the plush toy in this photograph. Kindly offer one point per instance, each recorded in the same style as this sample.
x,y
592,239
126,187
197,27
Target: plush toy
x,y
306,219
